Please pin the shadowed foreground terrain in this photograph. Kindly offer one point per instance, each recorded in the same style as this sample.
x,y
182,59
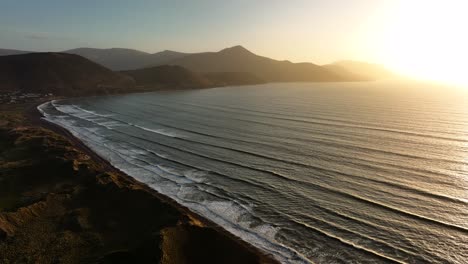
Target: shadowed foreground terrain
x,y
59,203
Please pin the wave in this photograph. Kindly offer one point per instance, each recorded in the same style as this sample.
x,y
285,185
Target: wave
x,y
336,124
315,185
91,112
365,249
161,155
295,115
304,165
373,245
340,146
222,209
163,132
285,177
335,142
229,214
41,108
89,115
327,188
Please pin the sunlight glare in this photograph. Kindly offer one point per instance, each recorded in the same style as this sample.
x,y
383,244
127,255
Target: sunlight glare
x,y
427,40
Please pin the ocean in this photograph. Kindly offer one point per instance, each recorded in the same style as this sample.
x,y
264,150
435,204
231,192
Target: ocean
x,y
372,172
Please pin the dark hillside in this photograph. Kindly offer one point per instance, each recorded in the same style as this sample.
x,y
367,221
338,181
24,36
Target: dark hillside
x,y
166,76
59,73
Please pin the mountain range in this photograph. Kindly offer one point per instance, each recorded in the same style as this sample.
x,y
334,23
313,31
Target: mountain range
x,y
94,71
118,59
234,59
238,59
73,75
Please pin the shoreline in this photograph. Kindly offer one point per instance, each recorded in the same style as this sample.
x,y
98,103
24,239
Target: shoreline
x,y
36,118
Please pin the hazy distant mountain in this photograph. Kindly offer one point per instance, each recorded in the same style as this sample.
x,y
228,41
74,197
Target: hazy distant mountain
x,y
177,77
239,59
231,66
344,73
232,78
369,71
59,73
119,59
166,76
163,57
5,52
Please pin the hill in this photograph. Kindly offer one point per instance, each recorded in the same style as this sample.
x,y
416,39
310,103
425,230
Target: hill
x,y
239,59
119,59
59,73
163,57
6,52
165,76
346,74
368,71
232,78
177,77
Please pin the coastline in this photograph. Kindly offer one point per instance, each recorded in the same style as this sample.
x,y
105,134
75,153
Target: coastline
x,y
36,117
191,227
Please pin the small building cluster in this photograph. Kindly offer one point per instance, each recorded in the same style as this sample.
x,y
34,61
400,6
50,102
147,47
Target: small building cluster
x,y
20,97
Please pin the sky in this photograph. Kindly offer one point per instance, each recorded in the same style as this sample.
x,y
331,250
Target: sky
x,y
397,33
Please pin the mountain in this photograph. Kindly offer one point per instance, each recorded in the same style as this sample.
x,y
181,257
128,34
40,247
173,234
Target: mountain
x,y
177,77
119,59
239,59
230,66
369,71
59,73
165,76
6,52
163,57
346,74
115,58
232,78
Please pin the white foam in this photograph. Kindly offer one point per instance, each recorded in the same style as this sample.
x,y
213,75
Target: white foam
x,y
73,111
168,169
164,132
110,124
96,118
196,175
92,112
164,156
90,116
41,109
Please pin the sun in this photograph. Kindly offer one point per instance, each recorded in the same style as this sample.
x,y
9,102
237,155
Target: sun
x,y
427,40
